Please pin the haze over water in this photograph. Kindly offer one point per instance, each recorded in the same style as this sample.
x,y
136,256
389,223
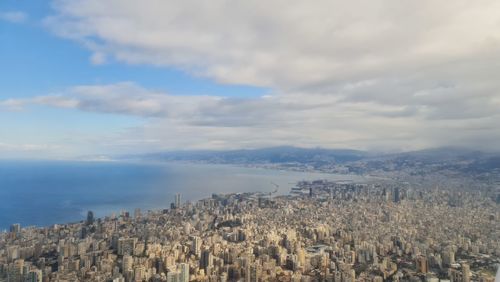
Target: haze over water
x,y
42,193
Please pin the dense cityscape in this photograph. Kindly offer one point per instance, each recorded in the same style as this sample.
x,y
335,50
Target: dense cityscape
x,y
379,230
249,141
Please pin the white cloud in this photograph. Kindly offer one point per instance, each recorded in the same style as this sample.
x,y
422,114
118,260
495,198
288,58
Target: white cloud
x,y
301,119
360,74
13,16
284,44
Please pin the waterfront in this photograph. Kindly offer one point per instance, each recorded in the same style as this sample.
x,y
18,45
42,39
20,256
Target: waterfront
x,y
42,193
325,231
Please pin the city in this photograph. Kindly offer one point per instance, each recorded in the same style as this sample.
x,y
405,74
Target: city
x,y
249,141
321,231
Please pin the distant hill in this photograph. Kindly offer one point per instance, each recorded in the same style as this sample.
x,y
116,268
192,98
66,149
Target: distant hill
x,y
455,159
282,154
357,161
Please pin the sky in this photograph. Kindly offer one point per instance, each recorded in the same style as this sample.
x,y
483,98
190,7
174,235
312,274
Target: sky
x,y
105,77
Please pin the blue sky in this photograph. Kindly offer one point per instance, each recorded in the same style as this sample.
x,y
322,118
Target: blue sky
x,y
104,77
35,62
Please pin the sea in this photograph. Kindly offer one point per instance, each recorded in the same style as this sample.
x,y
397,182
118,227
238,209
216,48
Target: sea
x,y
43,193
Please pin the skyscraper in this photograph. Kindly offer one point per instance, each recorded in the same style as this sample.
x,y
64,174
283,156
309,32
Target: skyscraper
x,y
90,218
397,196
15,228
196,246
177,202
206,260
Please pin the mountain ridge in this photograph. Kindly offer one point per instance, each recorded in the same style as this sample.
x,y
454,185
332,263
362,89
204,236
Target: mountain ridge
x,y
444,158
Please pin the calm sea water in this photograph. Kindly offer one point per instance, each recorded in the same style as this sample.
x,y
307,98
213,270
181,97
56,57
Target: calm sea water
x,y
42,193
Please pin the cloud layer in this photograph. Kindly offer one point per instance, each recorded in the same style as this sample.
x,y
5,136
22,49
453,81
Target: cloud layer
x,y
358,74
285,44
303,119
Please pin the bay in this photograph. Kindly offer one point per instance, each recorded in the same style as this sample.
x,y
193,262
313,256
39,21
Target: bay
x,y
43,193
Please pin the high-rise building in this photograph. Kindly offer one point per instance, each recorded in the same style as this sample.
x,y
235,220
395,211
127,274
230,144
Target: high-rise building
x,y
184,272
466,272
15,228
127,263
173,276
137,213
34,276
422,264
448,257
206,259
196,246
15,271
397,195
126,246
455,275
90,218
177,202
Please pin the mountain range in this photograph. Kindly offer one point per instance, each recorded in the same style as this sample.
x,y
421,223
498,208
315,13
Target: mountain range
x,y
439,158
